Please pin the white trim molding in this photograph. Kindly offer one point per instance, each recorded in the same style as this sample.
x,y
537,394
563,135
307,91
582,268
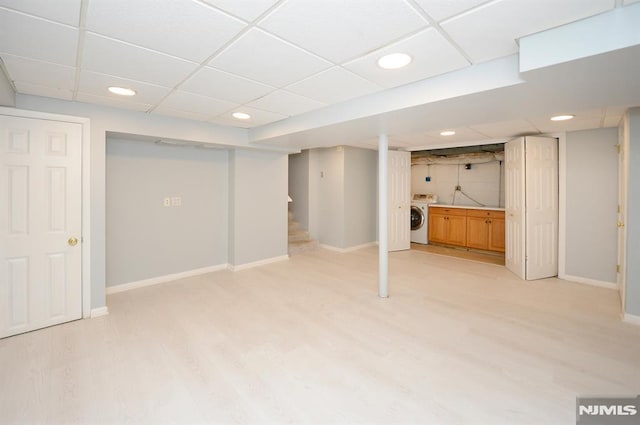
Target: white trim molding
x,y
257,263
163,279
100,311
587,281
350,249
631,319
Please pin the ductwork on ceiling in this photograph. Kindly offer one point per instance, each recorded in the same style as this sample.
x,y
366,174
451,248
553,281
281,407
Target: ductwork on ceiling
x,y
462,155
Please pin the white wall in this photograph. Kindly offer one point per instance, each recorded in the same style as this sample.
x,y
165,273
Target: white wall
x,y
258,206
591,173
483,182
7,95
299,187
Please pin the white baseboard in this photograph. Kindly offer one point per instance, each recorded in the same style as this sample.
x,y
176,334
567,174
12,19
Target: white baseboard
x,y
100,311
587,281
632,319
162,279
258,263
350,249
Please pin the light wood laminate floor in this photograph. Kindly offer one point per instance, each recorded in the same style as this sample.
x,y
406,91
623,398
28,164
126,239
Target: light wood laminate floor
x,y
307,341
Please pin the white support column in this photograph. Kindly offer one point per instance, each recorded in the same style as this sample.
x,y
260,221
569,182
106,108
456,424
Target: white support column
x,y
383,213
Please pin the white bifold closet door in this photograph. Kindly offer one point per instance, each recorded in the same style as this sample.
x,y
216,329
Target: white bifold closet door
x,y
531,204
399,176
40,224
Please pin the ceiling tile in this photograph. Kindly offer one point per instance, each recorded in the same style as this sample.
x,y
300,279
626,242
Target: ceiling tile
x,y
222,85
503,129
97,84
442,9
112,57
258,117
491,31
46,91
611,121
248,10
189,102
185,29
163,110
263,58
432,55
113,102
40,73
65,12
340,30
334,85
24,36
583,120
463,134
283,102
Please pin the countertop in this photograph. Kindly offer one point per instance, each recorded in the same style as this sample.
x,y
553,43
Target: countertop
x,y
466,207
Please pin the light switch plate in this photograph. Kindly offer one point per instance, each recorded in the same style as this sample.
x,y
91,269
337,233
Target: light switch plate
x,y
176,201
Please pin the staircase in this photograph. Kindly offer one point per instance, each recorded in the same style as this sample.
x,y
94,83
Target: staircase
x,y
299,239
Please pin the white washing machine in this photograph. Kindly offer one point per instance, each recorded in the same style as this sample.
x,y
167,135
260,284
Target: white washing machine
x,y
420,217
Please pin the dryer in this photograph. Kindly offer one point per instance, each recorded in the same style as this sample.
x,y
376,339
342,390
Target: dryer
x,y
420,217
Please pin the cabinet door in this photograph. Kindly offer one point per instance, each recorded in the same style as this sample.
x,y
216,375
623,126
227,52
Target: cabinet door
x,y
496,234
456,230
478,232
437,228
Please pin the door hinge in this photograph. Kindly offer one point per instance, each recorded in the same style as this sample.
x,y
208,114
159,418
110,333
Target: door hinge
x,y
617,268
618,209
619,147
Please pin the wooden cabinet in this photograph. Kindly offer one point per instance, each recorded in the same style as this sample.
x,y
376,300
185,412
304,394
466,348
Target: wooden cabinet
x,y
448,226
471,228
485,230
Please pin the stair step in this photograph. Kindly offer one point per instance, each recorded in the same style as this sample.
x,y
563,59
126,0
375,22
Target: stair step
x,y
299,235
298,247
294,226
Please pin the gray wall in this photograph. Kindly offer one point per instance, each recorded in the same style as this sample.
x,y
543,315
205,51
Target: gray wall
x,y
591,204
342,196
145,239
258,206
633,214
299,187
360,195
104,119
328,181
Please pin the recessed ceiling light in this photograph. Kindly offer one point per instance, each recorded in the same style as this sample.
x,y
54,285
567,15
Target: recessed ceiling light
x,y
241,116
562,117
394,61
447,133
122,91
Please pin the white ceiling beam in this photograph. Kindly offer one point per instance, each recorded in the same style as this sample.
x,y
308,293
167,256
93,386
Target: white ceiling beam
x,y
7,89
613,30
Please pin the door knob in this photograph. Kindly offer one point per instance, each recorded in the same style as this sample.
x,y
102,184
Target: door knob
x,y
72,241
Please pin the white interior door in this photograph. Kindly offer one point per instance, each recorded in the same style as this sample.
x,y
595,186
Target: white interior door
x,y
541,165
399,200
40,214
515,220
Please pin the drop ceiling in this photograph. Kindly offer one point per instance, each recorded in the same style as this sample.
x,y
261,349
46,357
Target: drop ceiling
x,y
277,60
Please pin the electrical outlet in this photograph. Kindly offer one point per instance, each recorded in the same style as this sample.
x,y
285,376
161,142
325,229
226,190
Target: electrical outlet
x,y
166,202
